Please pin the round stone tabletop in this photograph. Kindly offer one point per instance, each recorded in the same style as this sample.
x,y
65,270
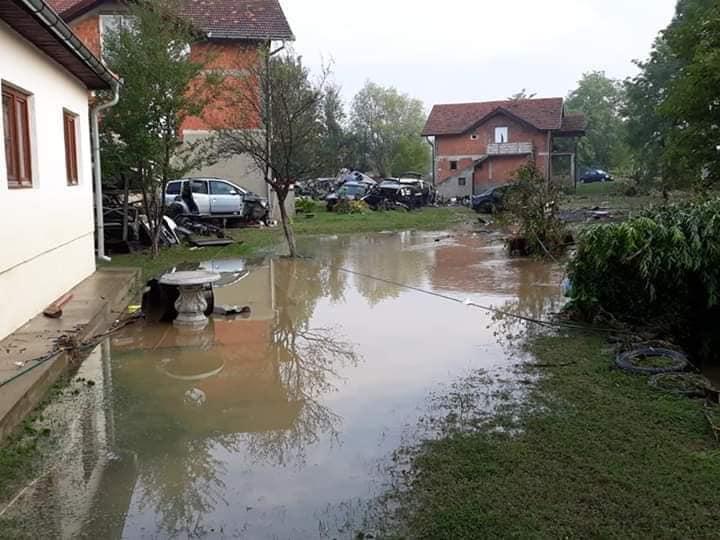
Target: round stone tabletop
x,y
190,279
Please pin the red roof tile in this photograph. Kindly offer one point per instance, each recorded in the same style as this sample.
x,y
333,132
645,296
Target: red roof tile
x,y
454,119
223,19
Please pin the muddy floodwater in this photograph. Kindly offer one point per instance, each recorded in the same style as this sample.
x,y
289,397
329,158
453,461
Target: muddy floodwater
x,y
278,424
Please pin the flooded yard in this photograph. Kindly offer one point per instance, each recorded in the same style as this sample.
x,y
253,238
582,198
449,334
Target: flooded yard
x,y
278,424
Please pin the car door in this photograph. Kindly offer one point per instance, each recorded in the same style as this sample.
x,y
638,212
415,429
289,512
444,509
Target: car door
x,y
172,191
201,195
225,198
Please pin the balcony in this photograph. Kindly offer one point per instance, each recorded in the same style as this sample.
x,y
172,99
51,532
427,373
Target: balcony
x,y
510,149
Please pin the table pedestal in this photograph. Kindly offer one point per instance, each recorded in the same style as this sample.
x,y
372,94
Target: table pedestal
x,y
191,306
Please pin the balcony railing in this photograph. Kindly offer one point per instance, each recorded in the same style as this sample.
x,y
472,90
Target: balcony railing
x,y
509,149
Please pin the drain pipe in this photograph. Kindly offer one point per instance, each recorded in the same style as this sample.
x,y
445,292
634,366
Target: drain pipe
x,y
97,170
432,147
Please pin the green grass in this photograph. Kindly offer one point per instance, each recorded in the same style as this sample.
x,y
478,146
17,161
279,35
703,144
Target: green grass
x,y
600,455
250,242
256,241
613,195
22,450
423,219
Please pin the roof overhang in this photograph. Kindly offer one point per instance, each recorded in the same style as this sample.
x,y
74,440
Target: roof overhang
x,y
570,132
84,6
38,23
499,111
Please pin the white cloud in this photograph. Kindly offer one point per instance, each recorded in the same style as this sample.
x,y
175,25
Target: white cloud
x,y
470,50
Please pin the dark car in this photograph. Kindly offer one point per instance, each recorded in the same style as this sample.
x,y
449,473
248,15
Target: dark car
x,y
492,200
427,191
595,175
392,195
349,191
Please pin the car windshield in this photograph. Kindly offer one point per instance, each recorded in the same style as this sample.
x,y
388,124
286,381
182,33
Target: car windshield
x,y
351,190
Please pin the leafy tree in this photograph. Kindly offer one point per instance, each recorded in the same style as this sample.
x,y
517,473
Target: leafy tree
x,y
291,112
693,96
522,94
334,143
600,99
162,86
387,126
647,128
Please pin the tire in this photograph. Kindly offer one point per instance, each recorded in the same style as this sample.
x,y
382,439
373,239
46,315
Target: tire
x,y
626,361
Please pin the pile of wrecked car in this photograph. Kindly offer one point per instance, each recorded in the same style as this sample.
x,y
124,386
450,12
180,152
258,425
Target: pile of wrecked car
x,y
196,212
406,192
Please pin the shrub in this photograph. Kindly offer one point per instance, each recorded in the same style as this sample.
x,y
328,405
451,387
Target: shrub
x,y
351,207
532,202
662,267
306,205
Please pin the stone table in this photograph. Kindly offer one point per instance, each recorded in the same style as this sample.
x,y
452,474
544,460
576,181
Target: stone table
x,y
191,303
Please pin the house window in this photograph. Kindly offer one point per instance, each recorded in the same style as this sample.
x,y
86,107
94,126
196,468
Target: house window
x,y
110,24
461,182
16,135
501,135
71,153
453,165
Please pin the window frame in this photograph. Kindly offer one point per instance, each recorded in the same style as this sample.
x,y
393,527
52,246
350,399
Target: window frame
x,y
112,22
70,127
177,183
12,165
453,165
462,181
230,187
199,182
498,131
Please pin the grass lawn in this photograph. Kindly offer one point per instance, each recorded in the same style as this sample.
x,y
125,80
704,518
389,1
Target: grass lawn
x,y
256,241
600,454
612,194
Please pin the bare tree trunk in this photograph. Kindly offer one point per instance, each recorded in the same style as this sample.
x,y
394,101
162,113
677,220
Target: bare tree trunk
x,y
286,225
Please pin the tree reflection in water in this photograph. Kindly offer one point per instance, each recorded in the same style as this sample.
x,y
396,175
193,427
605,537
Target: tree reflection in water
x,y
309,360
180,446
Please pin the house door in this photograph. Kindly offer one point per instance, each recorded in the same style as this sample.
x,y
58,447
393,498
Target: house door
x,y
481,178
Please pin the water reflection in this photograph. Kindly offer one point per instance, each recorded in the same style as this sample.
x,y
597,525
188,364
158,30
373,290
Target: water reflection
x,y
268,426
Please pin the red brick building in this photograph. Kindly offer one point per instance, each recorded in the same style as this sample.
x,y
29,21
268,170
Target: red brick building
x,y
235,33
479,145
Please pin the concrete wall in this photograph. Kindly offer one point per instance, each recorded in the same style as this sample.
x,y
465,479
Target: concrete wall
x,y
243,171
47,231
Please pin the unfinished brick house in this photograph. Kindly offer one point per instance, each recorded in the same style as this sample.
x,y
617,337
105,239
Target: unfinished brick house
x,y
236,31
480,145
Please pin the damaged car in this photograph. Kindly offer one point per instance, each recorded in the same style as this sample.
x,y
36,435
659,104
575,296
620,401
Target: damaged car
x,y
349,191
392,195
214,198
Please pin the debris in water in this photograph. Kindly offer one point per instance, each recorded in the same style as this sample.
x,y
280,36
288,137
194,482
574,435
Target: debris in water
x,y
225,311
195,397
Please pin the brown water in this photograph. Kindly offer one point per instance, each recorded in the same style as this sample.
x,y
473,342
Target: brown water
x,y
277,425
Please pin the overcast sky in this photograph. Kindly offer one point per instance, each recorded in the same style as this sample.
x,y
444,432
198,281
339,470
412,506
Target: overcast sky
x,y
446,51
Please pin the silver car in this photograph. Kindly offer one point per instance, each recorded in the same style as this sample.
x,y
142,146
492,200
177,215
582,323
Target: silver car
x,y
216,197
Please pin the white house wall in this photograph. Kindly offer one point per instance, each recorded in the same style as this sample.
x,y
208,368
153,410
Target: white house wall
x,y
46,232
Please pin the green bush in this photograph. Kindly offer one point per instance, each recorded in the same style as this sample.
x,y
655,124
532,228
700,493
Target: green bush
x,y
661,268
306,205
351,207
533,204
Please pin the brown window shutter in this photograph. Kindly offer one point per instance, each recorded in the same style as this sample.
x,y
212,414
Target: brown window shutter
x,y
16,136
71,164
